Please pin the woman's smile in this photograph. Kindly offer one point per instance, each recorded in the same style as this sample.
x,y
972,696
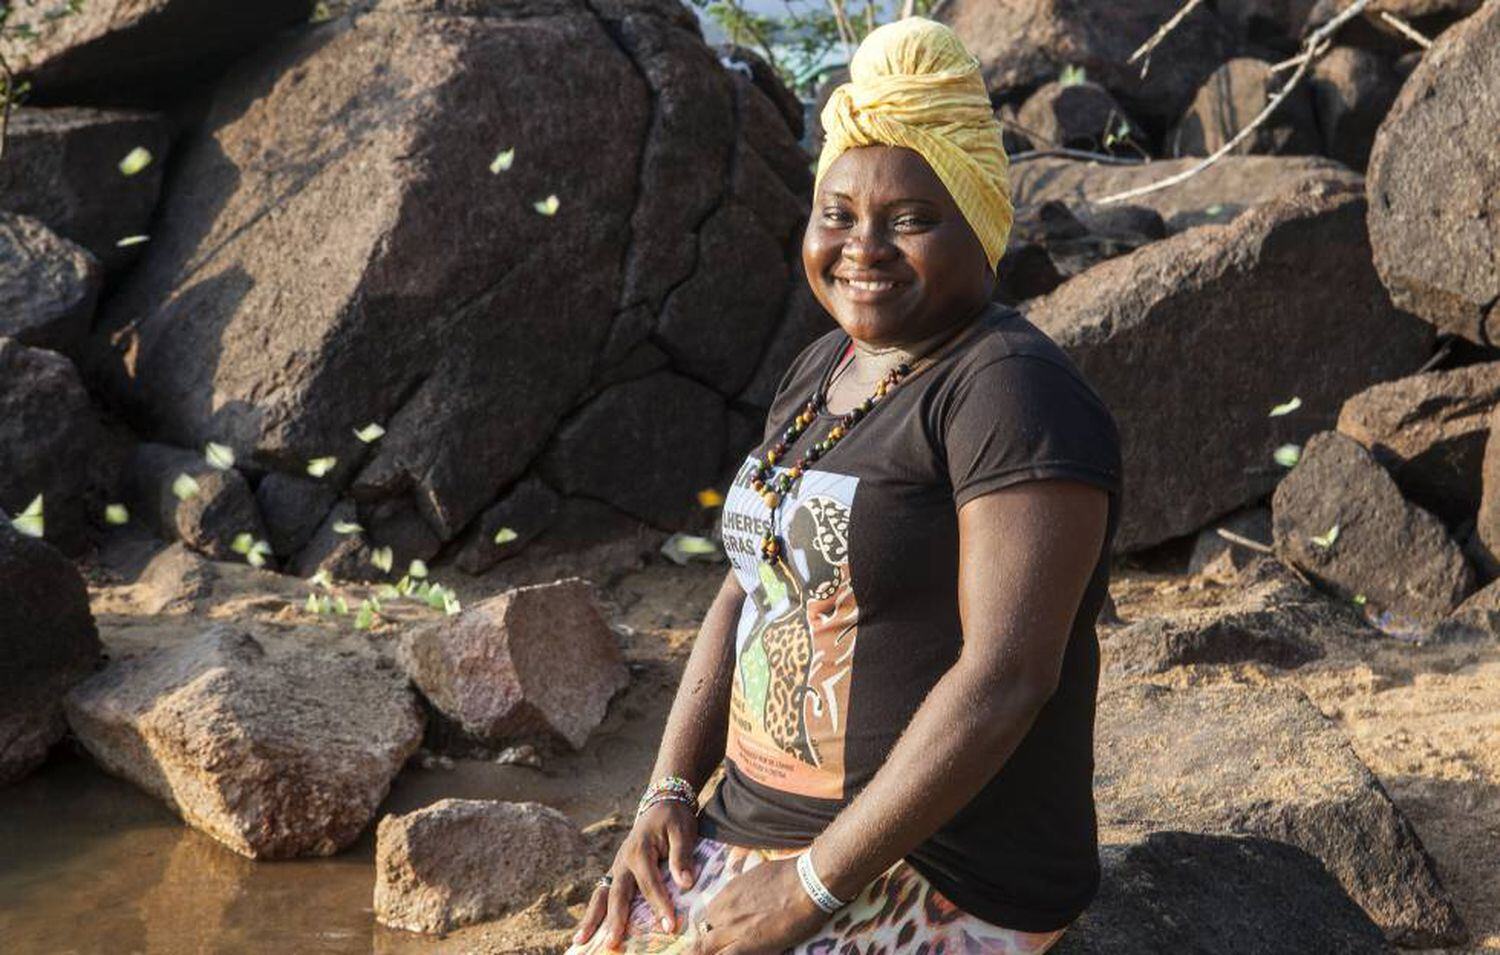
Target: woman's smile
x,y
869,290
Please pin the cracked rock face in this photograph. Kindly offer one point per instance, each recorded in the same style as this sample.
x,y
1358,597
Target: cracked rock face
x,y
1247,315
48,642
1262,761
338,251
275,757
1438,248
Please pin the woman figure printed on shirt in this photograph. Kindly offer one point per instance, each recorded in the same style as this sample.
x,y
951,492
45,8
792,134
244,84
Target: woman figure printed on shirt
x,y
797,664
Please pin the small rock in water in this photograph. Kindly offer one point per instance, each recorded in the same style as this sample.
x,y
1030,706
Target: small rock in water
x,y
460,861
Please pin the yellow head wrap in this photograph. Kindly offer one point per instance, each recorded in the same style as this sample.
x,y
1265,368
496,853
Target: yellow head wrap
x,y
913,84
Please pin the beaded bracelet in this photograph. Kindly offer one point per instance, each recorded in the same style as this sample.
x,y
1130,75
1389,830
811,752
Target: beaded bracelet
x,y
667,789
814,886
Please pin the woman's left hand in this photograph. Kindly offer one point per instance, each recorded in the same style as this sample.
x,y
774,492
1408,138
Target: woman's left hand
x,y
764,910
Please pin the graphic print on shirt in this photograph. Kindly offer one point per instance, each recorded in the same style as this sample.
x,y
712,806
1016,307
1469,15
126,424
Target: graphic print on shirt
x,y
794,645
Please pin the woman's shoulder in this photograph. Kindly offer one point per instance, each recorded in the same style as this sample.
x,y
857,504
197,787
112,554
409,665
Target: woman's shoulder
x,y
1005,333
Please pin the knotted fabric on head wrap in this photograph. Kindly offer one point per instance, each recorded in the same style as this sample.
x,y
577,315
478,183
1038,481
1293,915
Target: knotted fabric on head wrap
x,y
913,84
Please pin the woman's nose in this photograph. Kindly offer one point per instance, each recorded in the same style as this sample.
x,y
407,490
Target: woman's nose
x,y
867,244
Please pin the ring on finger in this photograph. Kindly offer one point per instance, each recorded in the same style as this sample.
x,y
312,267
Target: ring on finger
x,y
704,927
605,881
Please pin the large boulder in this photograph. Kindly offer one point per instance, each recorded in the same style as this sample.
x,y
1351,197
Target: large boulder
x,y
1192,340
1021,44
460,861
48,642
1233,96
1215,195
1268,24
55,443
1429,431
338,250
140,51
206,513
62,166
1340,518
533,661
1189,892
1263,761
274,756
1434,184
48,285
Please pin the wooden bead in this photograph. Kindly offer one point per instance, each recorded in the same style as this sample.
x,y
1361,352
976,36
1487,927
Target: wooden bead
x,y
771,498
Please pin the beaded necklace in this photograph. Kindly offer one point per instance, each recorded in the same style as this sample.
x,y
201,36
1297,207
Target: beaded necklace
x,y
773,489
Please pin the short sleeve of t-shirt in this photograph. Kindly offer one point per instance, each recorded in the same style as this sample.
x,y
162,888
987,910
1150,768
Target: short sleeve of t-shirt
x,y
1026,417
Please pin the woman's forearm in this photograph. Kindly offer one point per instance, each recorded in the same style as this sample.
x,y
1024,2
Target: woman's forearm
x,y
958,739
692,743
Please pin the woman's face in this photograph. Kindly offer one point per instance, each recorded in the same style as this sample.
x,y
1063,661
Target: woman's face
x,y
882,215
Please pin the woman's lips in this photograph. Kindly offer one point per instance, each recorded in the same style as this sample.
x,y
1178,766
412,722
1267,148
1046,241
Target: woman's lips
x,y
858,290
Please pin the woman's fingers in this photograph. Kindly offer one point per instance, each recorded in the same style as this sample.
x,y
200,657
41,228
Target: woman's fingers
x,y
647,868
592,916
680,842
621,894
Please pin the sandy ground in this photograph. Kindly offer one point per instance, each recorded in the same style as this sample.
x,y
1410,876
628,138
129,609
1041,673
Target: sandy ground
x,y
1425,718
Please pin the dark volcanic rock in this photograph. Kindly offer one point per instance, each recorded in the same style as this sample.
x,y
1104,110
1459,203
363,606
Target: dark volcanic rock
x,y
1340,518
1434,184
208,519
1429,431
1193,339
48,285
346,255
1270,618
1077,115
1187,892
1271,24
292,507
1233,96
526,509
1024,43
53,442
143,50
274,756
47,643
1073,239
1265,762
1487,523
640,447
344,554
1216,195
62,167
1352,91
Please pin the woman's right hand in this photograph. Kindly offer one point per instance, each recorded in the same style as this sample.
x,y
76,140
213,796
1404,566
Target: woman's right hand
x,y
667,831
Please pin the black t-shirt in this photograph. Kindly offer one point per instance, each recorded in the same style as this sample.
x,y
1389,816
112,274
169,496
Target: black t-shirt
x,y
837,648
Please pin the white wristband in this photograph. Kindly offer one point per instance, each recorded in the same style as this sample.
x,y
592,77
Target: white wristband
x,y
814,886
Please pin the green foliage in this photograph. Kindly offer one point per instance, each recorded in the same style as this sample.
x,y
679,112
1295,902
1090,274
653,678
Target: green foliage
x,y
803,44
1072,75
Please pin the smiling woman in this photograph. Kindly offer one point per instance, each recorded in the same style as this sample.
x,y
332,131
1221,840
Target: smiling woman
x,y
898,675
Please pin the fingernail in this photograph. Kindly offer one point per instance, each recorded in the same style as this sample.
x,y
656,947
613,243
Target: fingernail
x,y
666,924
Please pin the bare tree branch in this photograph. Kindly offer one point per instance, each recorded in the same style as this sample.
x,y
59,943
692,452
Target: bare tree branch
x,y
1406,28
1314,47
1075,154
1161,33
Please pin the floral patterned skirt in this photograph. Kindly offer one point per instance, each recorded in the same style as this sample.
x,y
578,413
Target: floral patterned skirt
x,y
898,912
